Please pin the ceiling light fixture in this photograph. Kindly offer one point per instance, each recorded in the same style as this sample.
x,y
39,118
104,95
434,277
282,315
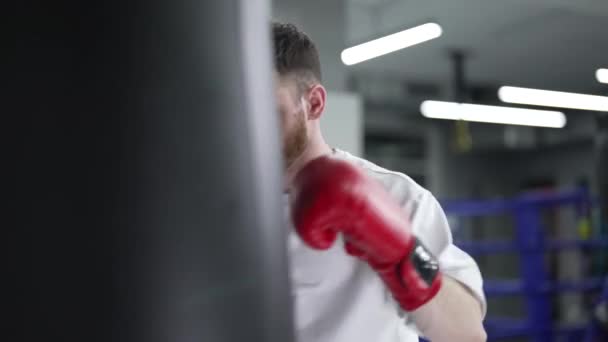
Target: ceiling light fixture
x,y
492,114
549,98
390,43
602,75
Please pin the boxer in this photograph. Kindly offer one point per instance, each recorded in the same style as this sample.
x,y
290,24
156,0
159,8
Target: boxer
x,y
371,252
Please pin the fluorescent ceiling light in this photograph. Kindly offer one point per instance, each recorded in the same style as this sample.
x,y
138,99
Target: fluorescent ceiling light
x,y
390,43
492,114
602,75
550,98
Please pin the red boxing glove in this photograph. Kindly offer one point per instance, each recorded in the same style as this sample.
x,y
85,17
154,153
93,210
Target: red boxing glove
x,y
332,196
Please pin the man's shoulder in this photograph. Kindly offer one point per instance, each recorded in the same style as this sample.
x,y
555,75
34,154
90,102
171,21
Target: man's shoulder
x,y
397,183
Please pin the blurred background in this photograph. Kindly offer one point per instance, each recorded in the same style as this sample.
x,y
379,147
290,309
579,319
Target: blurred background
x,y
525,201
123,232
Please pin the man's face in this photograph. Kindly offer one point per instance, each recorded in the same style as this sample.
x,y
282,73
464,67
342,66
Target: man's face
x,y
292,113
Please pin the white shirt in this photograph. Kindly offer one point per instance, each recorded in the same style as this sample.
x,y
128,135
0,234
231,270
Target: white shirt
x,y
339,298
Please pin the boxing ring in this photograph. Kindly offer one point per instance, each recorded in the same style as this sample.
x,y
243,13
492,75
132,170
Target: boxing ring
x,y
530,243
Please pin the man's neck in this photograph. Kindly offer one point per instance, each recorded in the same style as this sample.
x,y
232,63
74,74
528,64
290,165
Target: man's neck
x,y
313,151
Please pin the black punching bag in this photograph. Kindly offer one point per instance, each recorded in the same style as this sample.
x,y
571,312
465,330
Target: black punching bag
x,y
147,173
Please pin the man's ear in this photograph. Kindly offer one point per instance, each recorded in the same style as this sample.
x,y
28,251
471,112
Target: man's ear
x,y
316,100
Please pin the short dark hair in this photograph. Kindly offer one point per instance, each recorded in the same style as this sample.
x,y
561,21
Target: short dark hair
x,y
295,53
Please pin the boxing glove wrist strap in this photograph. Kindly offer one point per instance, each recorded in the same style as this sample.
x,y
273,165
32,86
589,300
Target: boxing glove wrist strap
x,y
415,280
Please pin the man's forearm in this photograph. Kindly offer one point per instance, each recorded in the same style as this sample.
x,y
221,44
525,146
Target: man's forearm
x,y
453,315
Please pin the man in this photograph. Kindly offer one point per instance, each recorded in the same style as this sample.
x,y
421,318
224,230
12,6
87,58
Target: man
x,y
393,274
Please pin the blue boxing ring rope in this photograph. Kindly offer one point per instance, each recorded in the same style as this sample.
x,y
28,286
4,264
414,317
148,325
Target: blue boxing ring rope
x,y
530,243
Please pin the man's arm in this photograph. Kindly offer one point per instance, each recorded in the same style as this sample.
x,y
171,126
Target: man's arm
x,y
454,315
457,312
411,256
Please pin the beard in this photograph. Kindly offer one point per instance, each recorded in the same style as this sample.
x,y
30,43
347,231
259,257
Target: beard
x,y
295,141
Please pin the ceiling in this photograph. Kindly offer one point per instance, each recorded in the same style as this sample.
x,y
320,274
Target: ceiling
x,y
553,44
